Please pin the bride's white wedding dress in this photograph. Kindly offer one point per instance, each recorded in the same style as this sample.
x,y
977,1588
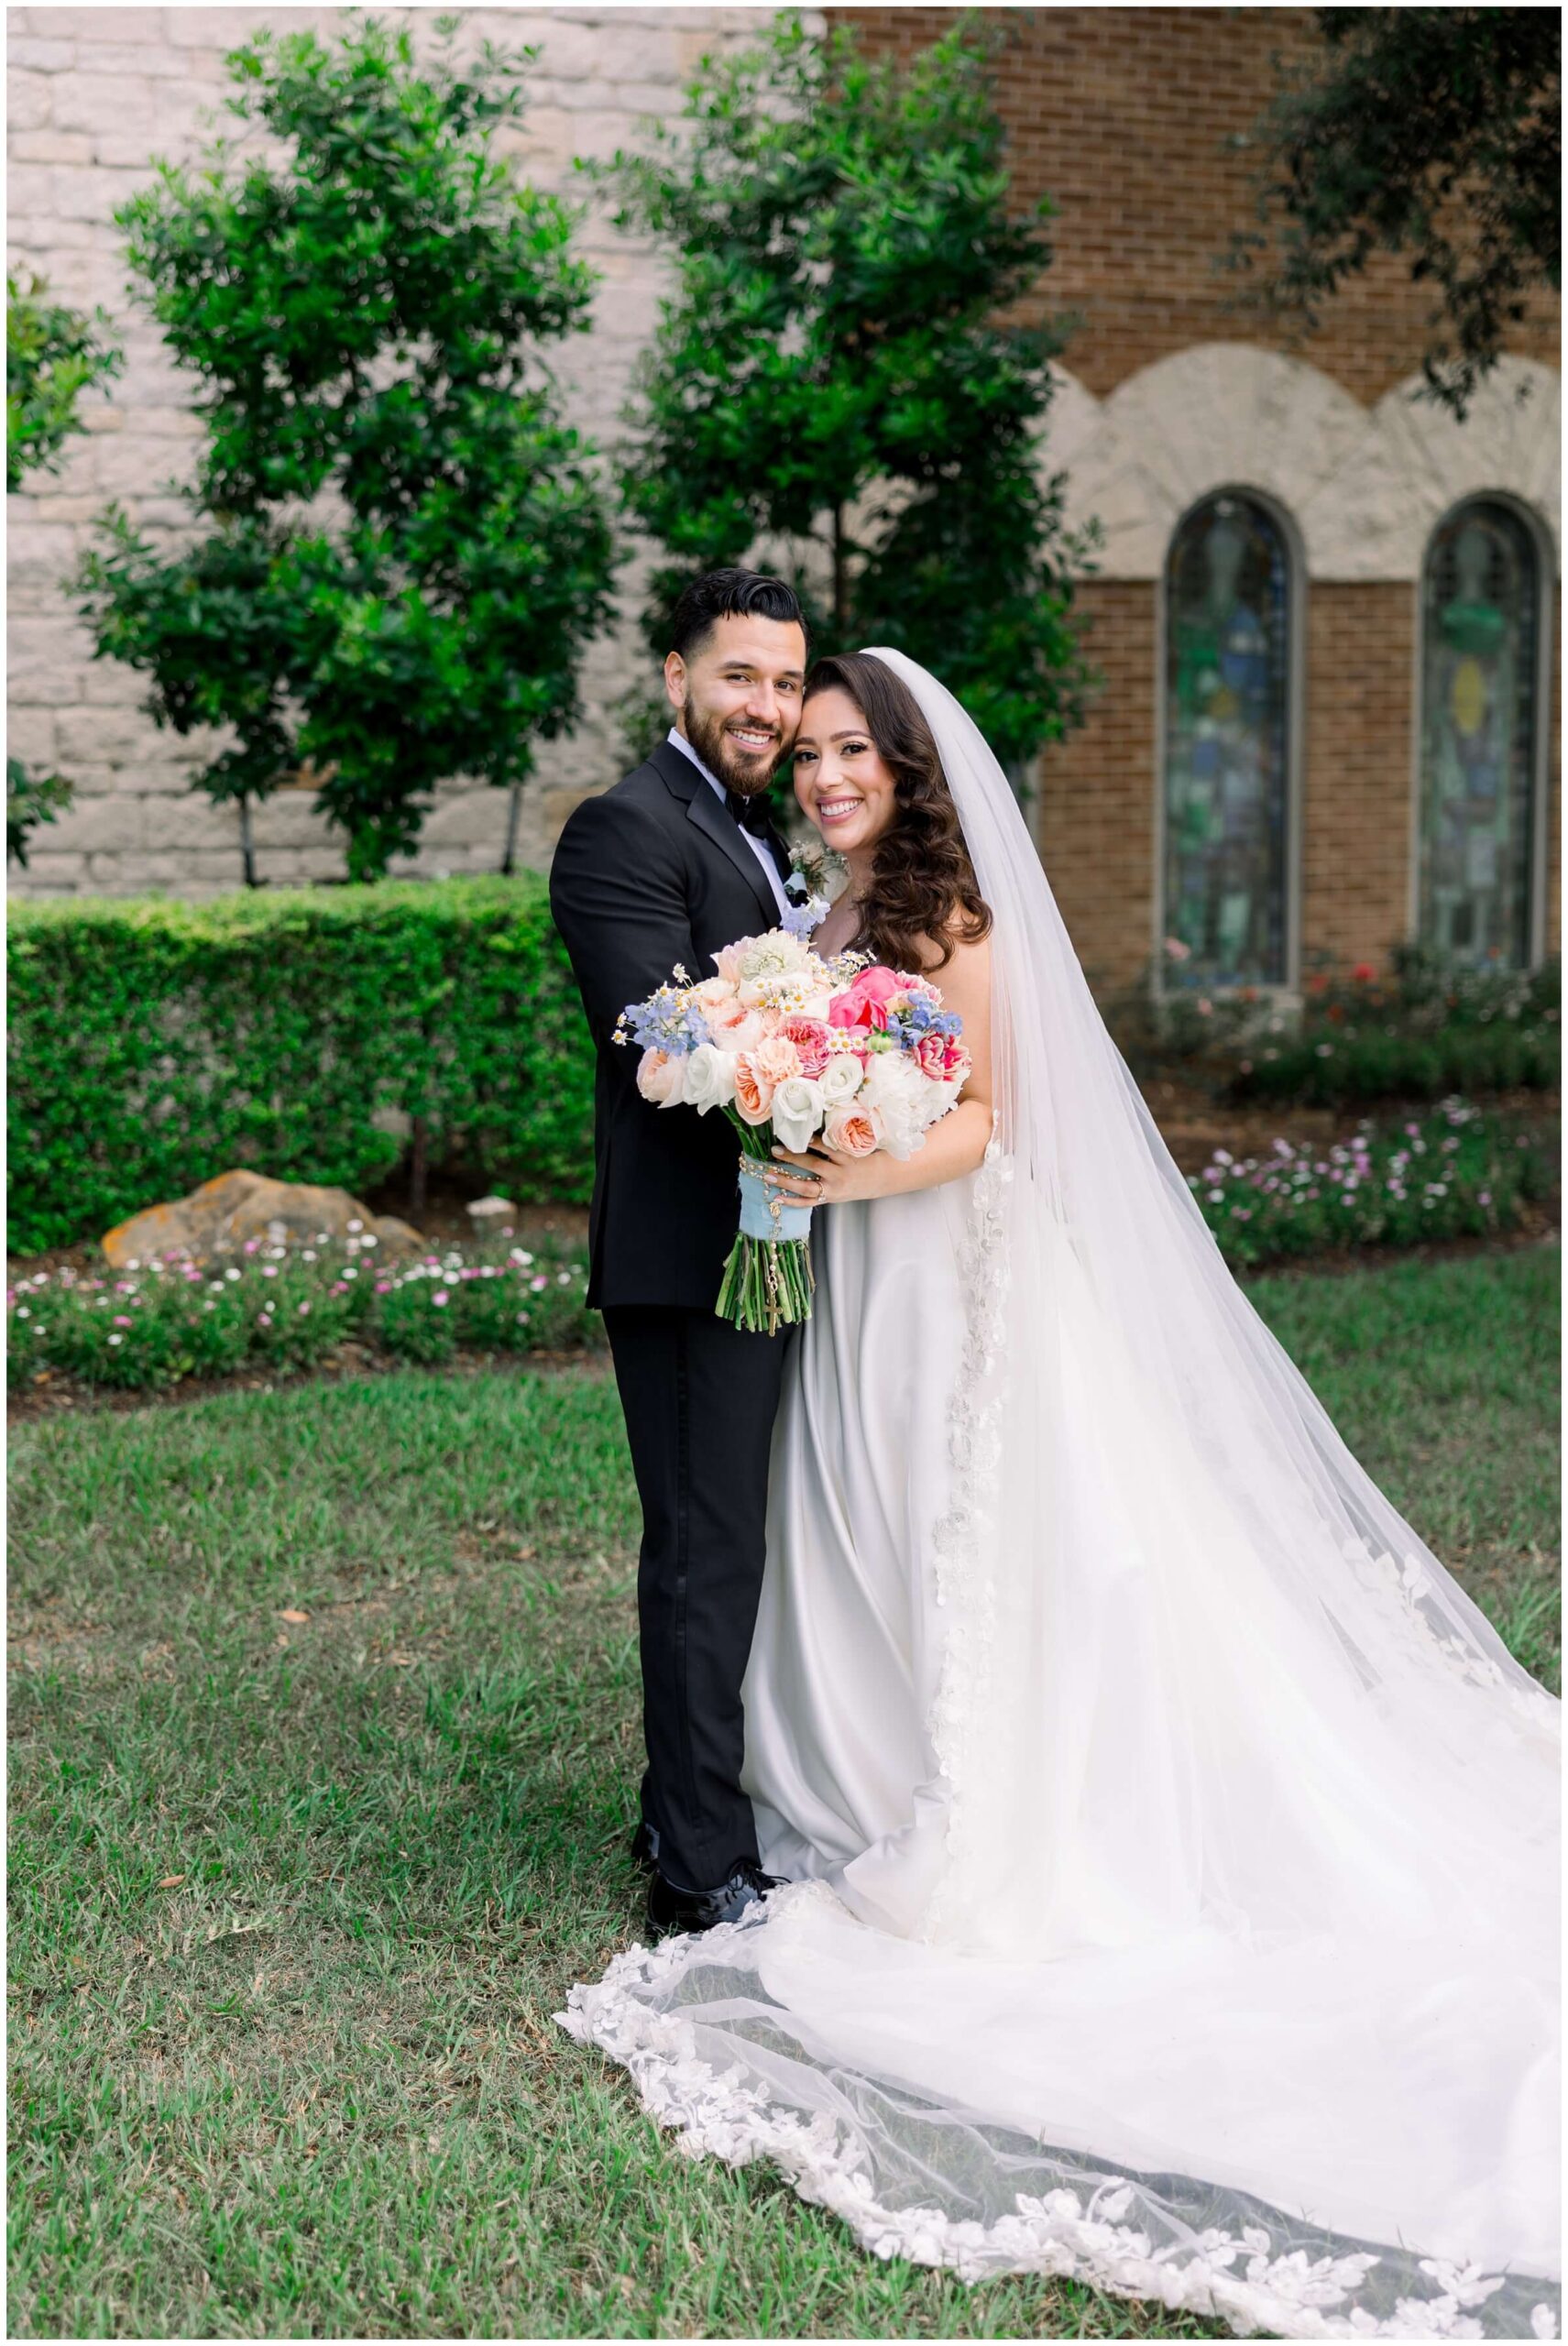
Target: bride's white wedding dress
x,y
1172,1843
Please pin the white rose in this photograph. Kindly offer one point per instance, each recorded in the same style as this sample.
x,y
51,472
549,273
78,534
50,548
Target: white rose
x,y
840,1078
798,1111
892,1093
710,1078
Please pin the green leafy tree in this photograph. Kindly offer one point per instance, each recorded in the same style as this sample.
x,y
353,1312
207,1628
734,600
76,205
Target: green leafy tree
x,y
53,354
1431,132
835,370
367,316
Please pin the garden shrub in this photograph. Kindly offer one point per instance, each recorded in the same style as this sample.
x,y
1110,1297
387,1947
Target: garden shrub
x,y
156,1043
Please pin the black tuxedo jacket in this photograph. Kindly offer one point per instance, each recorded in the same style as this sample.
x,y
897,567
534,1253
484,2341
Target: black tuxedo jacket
x,y
654,871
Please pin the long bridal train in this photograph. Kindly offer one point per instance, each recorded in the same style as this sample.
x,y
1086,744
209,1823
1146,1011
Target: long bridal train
x,y
1175,1843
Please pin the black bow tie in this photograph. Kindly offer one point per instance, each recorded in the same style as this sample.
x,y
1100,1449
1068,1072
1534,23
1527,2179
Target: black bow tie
x,y
751,814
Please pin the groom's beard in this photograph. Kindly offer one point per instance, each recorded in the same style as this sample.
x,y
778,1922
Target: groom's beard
x,y
747,771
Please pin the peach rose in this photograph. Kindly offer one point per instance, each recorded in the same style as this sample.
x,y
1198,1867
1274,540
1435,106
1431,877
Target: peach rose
x,y
851,1131
775,1060
716,1002
752,1030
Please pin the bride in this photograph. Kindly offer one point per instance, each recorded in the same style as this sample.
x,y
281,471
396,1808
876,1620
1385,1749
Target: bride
x,y
1171,1843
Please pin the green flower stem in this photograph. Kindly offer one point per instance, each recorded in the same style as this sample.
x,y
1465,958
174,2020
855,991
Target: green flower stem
x,y
768,1282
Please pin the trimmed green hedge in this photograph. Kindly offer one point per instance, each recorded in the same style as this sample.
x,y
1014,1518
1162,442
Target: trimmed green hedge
x,y
155,1043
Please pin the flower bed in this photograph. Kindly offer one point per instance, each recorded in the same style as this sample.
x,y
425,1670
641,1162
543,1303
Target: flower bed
x,y
271,1306
1422,1034
1454,1173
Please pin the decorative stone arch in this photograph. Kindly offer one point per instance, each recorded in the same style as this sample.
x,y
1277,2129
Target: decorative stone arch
x,y
1364,487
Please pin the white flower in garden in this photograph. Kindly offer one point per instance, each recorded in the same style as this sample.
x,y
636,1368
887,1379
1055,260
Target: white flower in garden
x,y
710,1078
798,1111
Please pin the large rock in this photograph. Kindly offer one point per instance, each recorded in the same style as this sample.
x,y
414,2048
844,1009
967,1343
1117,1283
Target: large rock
x,y
223,1213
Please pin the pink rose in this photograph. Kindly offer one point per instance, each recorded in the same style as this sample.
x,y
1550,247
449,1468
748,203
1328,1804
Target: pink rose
x,y
865,1004
930,1057
955,1060
809,1036
717,1002
851,1131
661,1077
752,1029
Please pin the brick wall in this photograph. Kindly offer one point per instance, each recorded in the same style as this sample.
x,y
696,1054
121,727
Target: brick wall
x,y
1097,807
1124,117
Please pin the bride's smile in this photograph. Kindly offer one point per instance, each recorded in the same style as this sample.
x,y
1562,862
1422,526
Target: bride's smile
x,y
842,783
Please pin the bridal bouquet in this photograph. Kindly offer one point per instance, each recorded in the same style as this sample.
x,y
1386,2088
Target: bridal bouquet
x,y
788,1045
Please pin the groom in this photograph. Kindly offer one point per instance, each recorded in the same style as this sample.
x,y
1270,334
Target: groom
x,y
674,862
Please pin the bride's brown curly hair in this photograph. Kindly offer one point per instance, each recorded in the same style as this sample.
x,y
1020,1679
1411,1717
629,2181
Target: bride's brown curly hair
x,y
923,891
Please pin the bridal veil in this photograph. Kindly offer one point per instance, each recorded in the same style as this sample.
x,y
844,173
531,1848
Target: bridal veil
x,y
1236,1986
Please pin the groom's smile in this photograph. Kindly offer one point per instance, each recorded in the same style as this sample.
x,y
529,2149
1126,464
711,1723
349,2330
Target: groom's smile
x,y
737,698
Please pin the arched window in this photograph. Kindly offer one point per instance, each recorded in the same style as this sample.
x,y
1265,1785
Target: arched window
x,y
1476,861
1226,862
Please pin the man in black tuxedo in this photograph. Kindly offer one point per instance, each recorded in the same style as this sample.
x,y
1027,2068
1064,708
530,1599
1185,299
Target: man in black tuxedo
x,y
674,862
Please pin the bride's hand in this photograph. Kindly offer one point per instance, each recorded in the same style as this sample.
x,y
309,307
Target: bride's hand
x,y
837,1179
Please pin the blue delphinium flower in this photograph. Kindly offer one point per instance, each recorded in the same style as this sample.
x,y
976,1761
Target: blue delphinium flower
x,y
665,1023
917,1019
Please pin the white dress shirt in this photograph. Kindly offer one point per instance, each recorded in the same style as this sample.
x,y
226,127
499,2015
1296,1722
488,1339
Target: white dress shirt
x,y
759,848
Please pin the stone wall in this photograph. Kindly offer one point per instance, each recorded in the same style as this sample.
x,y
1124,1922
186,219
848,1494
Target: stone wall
x,y
94,94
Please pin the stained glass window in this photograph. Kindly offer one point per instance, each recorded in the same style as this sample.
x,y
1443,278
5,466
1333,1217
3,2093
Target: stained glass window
x,y
1227,758
1478,737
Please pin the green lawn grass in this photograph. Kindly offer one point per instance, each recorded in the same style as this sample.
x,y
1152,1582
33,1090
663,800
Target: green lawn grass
x,y
293,1900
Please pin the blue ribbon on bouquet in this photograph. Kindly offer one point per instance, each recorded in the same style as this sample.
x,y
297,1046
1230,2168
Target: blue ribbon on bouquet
x,y
764,1214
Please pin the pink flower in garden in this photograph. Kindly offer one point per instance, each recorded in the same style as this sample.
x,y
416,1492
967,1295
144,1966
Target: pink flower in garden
x,y
440,1296
122,1319
1176,950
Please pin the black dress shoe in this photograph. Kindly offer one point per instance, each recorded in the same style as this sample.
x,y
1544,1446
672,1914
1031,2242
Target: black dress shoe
x,y
670,1909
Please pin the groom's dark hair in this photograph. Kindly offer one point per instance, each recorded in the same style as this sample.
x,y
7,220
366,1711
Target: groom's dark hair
x,y
731,594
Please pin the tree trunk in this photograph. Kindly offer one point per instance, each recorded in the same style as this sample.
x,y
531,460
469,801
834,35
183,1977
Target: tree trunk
x,y
419,1168
247,844
513,804
840,616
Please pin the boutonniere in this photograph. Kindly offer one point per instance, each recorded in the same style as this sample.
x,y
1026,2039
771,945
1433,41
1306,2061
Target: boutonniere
x,y
805,885
811,868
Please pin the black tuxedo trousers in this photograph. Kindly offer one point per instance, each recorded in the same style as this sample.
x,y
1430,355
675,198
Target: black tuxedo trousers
x,y
654,873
